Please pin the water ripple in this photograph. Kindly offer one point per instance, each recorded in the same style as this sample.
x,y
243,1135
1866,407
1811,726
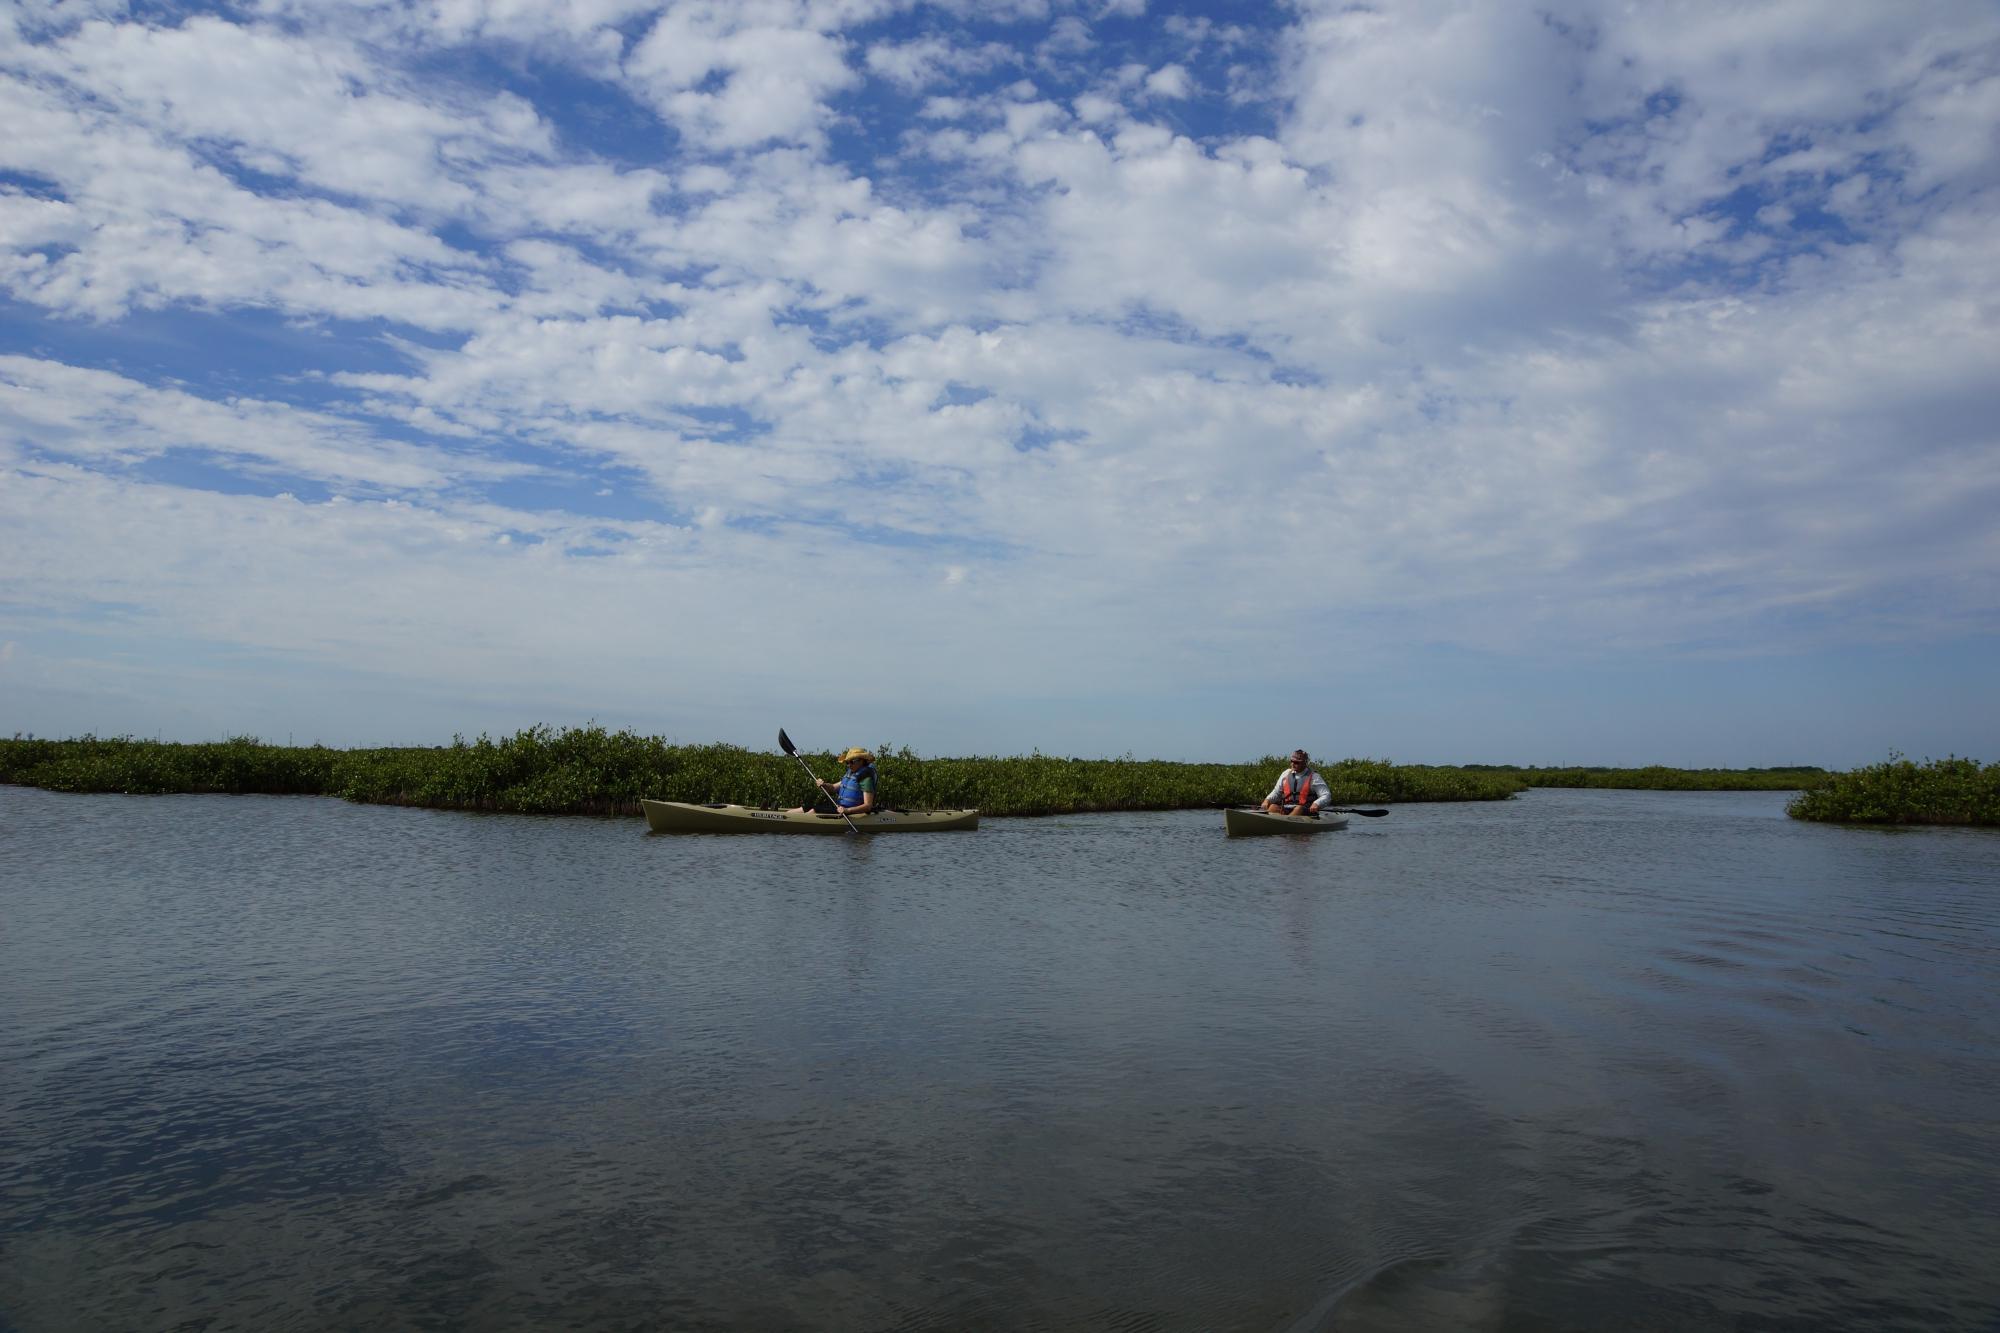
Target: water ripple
x,y
1633,1060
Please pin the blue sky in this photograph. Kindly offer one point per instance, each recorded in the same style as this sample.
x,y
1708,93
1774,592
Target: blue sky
x,y
1443,382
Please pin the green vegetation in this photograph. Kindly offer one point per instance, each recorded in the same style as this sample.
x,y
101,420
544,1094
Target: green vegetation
x,y
1042,784
1656,778
238,765
588,770
1937,791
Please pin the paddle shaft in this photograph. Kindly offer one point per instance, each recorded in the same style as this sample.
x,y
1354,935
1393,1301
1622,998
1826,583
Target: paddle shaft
x,y
785,744
1305,803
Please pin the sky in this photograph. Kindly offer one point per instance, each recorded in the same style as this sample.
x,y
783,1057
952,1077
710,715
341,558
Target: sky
x,y
1440,382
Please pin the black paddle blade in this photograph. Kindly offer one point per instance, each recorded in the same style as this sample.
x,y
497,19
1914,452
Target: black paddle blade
x,y
1370,814
785,744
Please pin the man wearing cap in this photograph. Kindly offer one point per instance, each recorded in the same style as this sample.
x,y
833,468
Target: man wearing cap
x,y
1299,790
854,794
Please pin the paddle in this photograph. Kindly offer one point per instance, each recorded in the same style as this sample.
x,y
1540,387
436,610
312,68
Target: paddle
x,y
785,744
1349,810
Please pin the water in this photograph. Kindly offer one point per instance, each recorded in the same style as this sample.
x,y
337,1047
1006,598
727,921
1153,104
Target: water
x,y
1581,1060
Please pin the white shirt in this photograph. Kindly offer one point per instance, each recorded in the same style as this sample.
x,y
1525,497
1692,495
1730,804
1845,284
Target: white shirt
x,y
1319,791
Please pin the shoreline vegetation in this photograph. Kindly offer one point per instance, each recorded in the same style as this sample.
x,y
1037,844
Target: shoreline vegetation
x,y
1949,791
591,771
1657,777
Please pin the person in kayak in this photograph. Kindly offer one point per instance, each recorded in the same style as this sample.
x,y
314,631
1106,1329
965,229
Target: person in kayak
x,y
854,794
1299,790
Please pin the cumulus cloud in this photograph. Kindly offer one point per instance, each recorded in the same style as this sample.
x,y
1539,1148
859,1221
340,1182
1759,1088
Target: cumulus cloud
x,y
1170,81
737,75
927,61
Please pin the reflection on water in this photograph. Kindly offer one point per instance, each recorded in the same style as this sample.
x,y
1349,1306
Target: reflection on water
x,y
1581,1060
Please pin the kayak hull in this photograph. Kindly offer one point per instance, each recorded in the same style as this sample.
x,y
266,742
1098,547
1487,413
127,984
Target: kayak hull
x,y
683,817
1249,823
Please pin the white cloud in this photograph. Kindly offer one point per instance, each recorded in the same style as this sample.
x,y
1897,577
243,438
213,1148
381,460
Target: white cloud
x,y
98,417
926,61
735,76
293,106
1170,81
149,224
913,64
1068,37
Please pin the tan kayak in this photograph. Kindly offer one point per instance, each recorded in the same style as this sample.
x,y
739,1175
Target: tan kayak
x,y
1245,823
681,817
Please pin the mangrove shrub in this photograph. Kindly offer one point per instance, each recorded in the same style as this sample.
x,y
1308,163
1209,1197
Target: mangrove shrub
x,y
1937,791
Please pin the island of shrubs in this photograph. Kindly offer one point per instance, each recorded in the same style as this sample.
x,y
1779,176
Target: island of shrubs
x,y
1937,791
589,770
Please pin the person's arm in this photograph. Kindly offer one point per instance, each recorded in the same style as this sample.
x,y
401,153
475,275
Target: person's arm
x,y
1322,795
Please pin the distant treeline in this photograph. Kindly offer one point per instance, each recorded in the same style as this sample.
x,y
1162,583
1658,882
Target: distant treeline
x,y
1655,777
1937,791
588,770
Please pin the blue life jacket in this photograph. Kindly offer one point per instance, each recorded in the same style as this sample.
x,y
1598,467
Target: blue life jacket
x,y
849,794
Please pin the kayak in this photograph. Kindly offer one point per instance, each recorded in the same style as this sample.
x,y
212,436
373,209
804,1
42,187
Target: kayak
x,y
1244,823
681,817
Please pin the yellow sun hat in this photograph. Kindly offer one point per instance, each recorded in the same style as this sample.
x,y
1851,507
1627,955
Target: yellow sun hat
x,y
856,752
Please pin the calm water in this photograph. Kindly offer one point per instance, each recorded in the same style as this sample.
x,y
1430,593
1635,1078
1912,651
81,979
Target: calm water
x,y
1584,1060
